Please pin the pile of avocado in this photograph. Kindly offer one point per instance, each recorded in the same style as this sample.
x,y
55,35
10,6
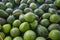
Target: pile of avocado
x,y
29,19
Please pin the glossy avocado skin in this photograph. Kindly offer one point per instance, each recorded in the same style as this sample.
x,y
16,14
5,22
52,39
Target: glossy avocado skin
x,y
30,19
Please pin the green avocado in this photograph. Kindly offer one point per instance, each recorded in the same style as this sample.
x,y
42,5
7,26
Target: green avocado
x,y
34,24
9,5
2,6
21,18
17,12
54,18
54,35
6,28
10,19
39,12
8,38
14,32
18,38
24,27
29,17
3,13
46,15
2,35
44,22
16,23
9,10
29,35
40,1
2,21
26,10
57,3
22,6
40,38
53,27
33,6
17,1
42,31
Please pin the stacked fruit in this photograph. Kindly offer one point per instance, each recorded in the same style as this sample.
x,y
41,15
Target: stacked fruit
x,y
29,19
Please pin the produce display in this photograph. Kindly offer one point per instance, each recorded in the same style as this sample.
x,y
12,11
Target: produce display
x,y
29,19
